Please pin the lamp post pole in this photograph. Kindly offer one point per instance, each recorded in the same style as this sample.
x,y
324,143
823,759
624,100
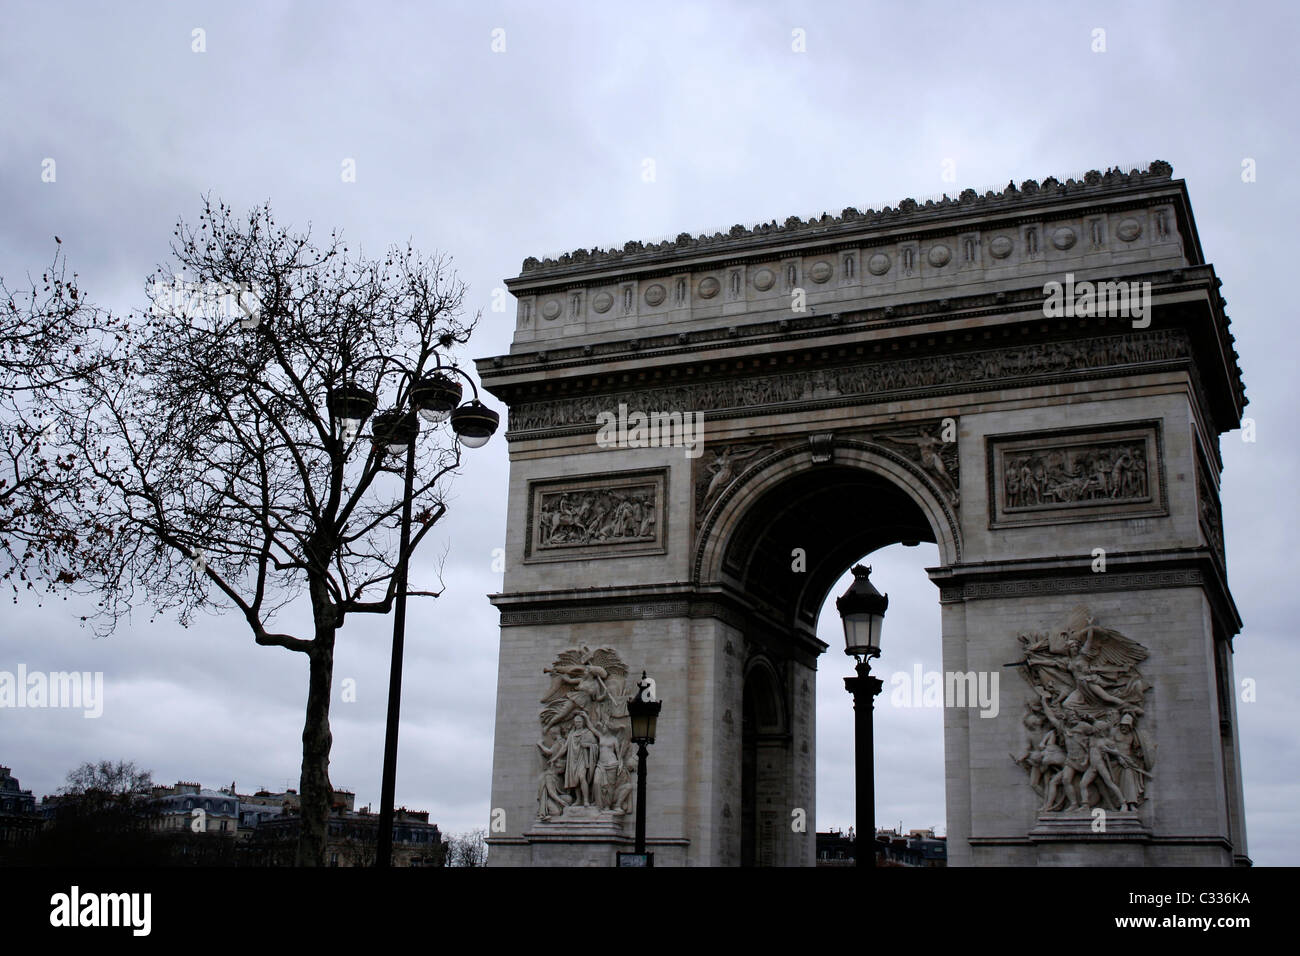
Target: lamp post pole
x,y
864,689
643,714
862,609
641,753
436,398
384,848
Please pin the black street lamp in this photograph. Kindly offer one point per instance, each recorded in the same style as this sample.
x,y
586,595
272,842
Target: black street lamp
x,y
350,406
643,710
862,609
435,397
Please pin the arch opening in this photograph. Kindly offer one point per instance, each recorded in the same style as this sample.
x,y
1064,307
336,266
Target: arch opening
x,y
797,536
782,543
908,719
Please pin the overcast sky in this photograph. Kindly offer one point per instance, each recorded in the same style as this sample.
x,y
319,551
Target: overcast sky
x,y
539,149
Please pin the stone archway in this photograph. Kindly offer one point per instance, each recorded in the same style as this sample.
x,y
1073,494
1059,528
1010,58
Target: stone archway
x,y
836,498
783,534
691,420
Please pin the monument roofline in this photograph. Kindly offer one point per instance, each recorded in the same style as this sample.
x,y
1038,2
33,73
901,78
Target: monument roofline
x,y
850,225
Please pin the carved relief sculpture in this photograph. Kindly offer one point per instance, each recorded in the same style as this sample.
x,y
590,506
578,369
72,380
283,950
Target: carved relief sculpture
x,y
1106,471
1044,477
1210,509
605,514
921,444
598,515
1083,743
718,474
930,451
588,761
870,378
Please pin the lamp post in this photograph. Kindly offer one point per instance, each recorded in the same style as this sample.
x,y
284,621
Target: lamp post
x,y
435,397
862,609
643,710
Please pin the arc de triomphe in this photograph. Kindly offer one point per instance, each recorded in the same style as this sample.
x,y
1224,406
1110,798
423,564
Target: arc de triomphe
x,y
1034,379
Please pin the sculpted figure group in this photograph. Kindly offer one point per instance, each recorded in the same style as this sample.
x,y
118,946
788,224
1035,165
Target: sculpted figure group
x,y
1083,744
587,757
1062,476
599,515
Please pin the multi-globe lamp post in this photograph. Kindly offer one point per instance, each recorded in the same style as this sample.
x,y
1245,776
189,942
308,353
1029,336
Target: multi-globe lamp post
x,y
862,609
435,398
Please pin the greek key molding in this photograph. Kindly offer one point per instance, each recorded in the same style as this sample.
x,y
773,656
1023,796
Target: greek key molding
x,y
1083,583
586,614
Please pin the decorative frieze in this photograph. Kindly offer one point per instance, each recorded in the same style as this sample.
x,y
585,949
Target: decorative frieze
x,y
617,514
1076,474
876,379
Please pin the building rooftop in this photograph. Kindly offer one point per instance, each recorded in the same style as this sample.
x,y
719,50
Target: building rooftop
x,y
851,220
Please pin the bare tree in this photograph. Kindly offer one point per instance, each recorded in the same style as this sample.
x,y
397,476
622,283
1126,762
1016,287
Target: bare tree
x,y
222,442
108,779
467,849
100,808
50,340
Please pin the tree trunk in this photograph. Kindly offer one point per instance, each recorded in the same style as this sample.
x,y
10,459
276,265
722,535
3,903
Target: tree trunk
x,y
315,792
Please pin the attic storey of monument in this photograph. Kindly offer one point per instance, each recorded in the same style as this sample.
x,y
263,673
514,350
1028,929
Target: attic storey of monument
x,y
923,396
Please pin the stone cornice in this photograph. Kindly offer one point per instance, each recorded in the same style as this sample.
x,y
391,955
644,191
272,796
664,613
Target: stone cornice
x,y
640,603
552,363
1125,571
850,224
